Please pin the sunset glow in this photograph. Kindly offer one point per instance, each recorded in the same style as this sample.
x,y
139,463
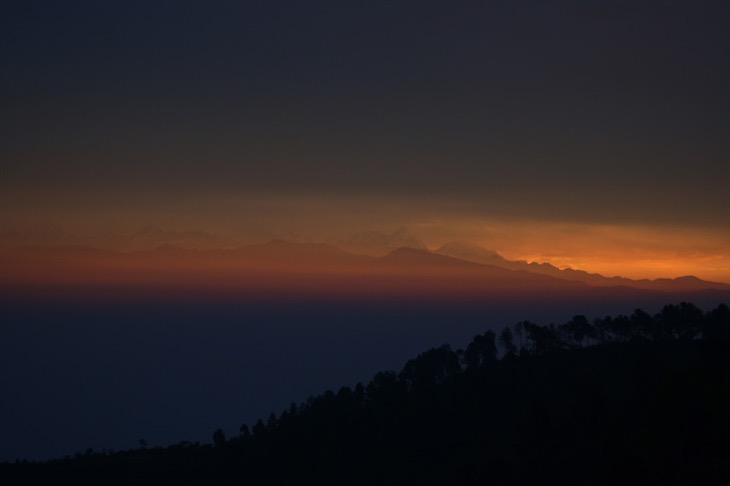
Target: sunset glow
x,y
637,251
202,201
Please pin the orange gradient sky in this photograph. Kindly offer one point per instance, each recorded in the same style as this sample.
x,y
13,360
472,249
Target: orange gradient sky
x,y
629,249
586,134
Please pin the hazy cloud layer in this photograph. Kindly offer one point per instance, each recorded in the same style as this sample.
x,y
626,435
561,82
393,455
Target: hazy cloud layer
x,y
318,120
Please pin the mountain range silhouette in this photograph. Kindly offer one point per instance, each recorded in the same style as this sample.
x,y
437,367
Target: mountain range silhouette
x,y
314,270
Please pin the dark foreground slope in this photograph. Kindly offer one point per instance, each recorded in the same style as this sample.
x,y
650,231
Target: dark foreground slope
x,y
634,397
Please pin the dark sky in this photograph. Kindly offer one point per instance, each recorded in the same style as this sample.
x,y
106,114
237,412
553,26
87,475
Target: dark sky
x,y
591,112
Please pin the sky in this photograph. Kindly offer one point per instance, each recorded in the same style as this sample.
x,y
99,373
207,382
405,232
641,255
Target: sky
x,y
591,134
585,133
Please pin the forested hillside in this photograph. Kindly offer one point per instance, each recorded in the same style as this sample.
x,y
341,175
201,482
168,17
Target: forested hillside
x,y
636,397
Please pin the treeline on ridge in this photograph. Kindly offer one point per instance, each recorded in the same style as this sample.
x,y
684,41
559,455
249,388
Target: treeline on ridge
x,y
641,396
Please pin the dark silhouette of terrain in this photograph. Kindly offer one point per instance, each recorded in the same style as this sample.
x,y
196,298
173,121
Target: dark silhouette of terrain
x,y
280,270
640,397
374,243
477,254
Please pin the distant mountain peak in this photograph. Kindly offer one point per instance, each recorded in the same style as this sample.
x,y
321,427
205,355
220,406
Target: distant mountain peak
x,y
402,238
150,237
407,255
378,244
463,249
405,250
474,253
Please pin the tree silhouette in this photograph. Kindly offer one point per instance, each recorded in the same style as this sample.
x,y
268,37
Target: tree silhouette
x,y
383,386
683,321
272,422
519,331
577,330
219,438
432,367
717,324
481,351
259,428
506,339
541,339
644,326
614,329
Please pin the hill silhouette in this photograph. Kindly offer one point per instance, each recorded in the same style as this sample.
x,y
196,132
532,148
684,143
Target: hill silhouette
x,y
641,398
477,254
309,271
374,243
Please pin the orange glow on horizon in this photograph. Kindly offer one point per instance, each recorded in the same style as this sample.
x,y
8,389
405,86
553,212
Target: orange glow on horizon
x,y
279,271
632,250
638,269
619,250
